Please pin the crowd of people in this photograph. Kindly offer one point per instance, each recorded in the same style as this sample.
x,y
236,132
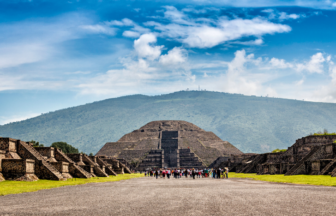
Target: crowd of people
x,y
192,173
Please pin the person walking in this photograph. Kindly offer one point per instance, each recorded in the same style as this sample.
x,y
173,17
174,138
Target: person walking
x,y
157,174
227,172
218,173
168,173
193,173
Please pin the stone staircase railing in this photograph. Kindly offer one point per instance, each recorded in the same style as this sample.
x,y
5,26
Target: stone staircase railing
x,y
326,168
108,169
126,169
72,163
301,162
97,170
251,165
55,174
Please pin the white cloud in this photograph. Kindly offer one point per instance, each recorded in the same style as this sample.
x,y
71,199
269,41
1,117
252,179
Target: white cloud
x,y
240,79
268,11
22,53
284,16
174,56
300,82
123,22
99,29
131,34
272,14
315,65
280,63
34,41
209,33
258,41
134,32
144,48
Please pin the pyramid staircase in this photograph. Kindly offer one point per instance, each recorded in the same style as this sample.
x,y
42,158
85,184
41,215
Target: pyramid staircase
x,y
301,163
126,169
249,167
78,172
108,167
46,170
97,170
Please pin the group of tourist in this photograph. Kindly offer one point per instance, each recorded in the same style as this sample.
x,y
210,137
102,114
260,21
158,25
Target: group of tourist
x,y
194,173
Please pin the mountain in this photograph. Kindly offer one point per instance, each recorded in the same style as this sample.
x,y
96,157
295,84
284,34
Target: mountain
x,y
252,124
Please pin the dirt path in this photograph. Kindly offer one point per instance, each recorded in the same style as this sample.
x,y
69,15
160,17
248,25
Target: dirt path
x,y
148,196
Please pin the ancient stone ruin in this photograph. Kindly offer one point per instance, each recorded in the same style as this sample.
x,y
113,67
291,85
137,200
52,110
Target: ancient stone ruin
x,y
21,161
159,144
171,144
311,155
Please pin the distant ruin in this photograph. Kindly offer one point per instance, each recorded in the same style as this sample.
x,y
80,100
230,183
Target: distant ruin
x,y
19,160
159,144
172,144
311,155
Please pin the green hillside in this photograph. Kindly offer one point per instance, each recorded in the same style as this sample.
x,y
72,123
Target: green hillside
x,y
252,124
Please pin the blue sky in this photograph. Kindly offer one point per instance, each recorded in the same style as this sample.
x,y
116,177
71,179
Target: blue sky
x,y
58,54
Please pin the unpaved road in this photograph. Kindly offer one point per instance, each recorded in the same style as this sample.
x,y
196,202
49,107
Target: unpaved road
x,y
148,196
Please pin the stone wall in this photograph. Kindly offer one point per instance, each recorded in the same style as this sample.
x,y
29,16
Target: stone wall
x,y
2,156
62,167
8,144
48,152
16,168
78,158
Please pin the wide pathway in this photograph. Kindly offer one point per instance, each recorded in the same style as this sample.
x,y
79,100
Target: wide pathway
x,y
148,196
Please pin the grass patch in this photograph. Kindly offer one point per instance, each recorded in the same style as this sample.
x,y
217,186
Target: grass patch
x,y
16,187
324,180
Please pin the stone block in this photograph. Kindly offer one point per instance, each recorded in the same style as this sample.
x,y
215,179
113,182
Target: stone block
x,y
48,152
63,168
16,168
8,144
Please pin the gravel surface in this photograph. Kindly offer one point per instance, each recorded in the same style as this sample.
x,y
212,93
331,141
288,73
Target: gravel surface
x,y
148,196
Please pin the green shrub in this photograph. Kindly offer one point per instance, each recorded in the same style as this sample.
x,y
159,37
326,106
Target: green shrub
x,y
279,150
323,134
65,147
36,144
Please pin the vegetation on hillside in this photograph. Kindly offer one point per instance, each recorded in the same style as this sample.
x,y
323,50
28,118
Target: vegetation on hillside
x,y
252,124
65,147
325,132
279,150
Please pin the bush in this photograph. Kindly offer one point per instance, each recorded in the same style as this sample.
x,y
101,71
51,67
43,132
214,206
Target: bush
x,y
65,147
36,144
279,150
322,134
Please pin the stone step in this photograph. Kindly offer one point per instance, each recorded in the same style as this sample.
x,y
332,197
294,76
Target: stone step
x,y
27,151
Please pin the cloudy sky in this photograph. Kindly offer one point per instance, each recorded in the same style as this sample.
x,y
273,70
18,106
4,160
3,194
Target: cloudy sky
x,y
58,54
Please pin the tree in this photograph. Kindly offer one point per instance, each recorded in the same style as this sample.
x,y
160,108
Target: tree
x,y
65,147
36,144
91,154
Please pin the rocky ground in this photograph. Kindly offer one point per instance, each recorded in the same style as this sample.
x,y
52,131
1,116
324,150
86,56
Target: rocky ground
x,y
148,196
